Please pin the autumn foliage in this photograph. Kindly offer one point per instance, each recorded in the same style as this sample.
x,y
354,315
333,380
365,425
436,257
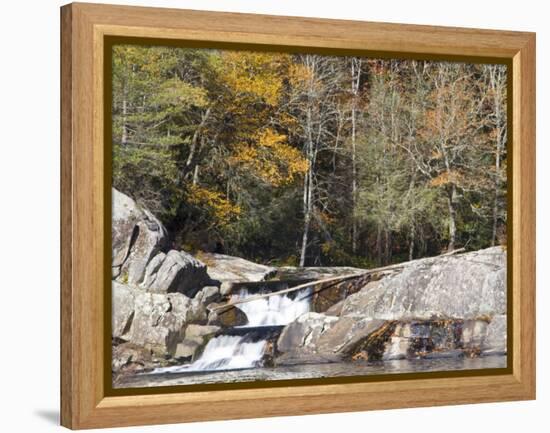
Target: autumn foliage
x,y
309,159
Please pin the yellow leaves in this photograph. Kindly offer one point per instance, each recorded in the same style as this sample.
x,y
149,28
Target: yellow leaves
x,y
300,75
221,209
326,247
270,158
269,138
254,74
288,121
260,151
447,177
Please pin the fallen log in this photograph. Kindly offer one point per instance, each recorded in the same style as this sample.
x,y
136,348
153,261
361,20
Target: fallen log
x,y
341,278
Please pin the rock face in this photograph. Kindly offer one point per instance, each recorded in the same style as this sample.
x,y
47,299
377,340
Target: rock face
x,y
123,300
227,317
155,322
438,339
129,357
328,295
176,271
224,268
137,235
196,337
437,307
208,295
466,286
158,321
495,339
314,338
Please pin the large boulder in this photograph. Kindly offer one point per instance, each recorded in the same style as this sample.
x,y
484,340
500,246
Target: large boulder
x,y
155,321
223,268
304,332
315,338
137,236
123,300
346,334
466,286
158,321
437,339
437,307
128,357
208,295
196,337
418,339
327,295
176,271
227,317
494,341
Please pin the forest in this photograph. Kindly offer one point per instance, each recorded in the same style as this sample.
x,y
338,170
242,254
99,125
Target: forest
x,y
312,160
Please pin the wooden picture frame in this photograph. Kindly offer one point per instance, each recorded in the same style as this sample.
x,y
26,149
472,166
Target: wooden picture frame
x,y
85,215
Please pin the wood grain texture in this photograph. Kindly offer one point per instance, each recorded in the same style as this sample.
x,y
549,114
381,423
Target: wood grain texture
x,y
84,403
66,376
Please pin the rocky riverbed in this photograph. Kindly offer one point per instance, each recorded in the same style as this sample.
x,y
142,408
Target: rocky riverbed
x,y
170,324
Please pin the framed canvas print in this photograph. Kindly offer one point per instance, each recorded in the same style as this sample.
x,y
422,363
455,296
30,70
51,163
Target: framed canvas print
x,y
308,215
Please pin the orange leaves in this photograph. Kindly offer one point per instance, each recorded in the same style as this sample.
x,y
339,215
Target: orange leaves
x,y
270,158
447,177
221,209
436,154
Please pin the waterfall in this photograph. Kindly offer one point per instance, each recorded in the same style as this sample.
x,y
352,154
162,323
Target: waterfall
x,y
225,352
273,310
232,352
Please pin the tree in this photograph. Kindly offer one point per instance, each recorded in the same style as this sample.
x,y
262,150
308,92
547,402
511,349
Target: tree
x,y
446,142
495,86
315,86
305,159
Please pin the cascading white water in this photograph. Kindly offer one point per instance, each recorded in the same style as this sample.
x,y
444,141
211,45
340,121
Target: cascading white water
x,y
273,310
229,352
225,352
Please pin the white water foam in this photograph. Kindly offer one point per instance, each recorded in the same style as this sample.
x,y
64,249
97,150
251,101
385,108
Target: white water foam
x,y
229,352
225,352
274,310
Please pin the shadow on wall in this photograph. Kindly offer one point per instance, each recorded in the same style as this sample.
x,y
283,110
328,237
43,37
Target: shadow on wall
x,y
49,415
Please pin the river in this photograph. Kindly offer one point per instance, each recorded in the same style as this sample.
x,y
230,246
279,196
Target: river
x,y
311,371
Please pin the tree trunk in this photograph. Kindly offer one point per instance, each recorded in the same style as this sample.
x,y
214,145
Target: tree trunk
x,y
387,247
411,242
307,216
495,204
500,142
355,81
124,138
452,217
379,244
353,185
196,175
195,144
308,188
